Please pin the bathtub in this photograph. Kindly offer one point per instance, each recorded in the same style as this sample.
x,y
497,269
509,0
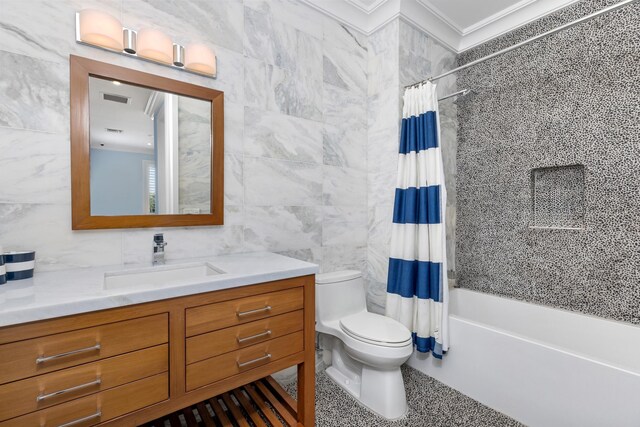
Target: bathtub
x,y
541,366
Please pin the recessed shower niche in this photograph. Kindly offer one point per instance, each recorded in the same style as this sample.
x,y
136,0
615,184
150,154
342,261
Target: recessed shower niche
x,y
557,195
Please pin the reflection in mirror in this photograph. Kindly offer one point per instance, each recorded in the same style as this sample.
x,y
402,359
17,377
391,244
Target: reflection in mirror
x,y
150,151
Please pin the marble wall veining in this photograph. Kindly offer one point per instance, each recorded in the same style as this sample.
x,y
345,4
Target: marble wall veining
x,y
295,84
568,99
194,155
312,114
399,55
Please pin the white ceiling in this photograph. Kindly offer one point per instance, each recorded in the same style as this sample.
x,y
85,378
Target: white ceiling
x,y
458,24
136,126
465,13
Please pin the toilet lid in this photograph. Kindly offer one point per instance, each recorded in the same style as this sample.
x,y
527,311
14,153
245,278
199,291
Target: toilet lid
x,y
377,329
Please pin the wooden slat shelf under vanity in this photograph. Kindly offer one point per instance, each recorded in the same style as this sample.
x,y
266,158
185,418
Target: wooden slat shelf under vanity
x,y
262,403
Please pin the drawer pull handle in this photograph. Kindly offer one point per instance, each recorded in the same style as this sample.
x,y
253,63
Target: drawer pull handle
x,y
42,397
81,420
253,337
256,311
43,359
267,356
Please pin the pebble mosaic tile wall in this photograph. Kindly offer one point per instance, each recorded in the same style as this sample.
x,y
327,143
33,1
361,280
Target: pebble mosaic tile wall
x,y
569,99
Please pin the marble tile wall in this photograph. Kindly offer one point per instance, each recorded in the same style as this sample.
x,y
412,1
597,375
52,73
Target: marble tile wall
x,y
194,154
400,54
311,129
296,90
384,109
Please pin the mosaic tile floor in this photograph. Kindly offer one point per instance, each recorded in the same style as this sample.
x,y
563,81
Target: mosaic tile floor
x,y
431,404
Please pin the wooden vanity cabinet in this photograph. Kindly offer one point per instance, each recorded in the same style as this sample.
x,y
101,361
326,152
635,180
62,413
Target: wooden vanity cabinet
x,y
131,365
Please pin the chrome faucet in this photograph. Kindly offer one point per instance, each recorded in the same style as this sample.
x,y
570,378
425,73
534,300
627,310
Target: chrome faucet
x,y
158,249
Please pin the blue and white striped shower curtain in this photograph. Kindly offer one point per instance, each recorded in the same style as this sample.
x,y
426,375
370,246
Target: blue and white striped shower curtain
x,y
417,291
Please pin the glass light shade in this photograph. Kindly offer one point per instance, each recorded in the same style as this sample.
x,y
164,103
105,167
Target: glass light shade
x,y
155,45
99,28
198,57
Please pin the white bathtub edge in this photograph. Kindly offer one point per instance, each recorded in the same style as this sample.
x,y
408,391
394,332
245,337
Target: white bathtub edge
x,y
534,382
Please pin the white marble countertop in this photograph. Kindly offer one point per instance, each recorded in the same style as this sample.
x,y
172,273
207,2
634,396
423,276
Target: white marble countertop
x,y
62,293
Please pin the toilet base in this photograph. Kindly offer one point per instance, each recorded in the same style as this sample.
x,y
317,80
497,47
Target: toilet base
x,y
380,390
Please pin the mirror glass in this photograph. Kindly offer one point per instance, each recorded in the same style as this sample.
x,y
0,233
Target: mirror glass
x,y
150,151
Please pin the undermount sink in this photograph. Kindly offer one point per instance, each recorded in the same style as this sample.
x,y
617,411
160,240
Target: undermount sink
x,y
159,276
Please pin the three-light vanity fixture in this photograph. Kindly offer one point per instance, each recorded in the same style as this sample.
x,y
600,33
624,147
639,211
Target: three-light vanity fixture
x,y
99,29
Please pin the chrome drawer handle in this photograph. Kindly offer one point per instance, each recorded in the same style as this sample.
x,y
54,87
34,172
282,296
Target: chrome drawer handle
x,y
253,337
43,359
81,420
256,311
42,397
267,356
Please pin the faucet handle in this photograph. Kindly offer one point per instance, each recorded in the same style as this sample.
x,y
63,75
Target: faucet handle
x,y
158,239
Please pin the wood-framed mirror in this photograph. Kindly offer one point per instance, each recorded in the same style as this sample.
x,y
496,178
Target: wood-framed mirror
x,y
146,151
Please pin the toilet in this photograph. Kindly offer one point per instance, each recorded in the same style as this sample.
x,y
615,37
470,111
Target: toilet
x,y
363,351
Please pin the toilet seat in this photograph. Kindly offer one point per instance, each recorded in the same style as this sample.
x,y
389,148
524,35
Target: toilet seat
x,y
376,329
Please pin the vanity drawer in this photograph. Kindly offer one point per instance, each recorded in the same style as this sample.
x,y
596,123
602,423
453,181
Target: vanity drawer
x,y
21,397
37,356
99,407
220,315
217,368
212,344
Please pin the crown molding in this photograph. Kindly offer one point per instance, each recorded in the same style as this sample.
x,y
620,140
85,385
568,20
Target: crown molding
x,y
344,12
441,15
367,19
508,20
368,9
431,22
386,11
497,16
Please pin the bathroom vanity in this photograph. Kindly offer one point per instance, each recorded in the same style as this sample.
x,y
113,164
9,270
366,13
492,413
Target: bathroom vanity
x,y
90,346
127,345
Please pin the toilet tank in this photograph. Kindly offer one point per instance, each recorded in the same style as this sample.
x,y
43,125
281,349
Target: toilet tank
x,y
339,294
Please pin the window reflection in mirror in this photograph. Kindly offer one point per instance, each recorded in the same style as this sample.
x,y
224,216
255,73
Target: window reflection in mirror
x,y
150,151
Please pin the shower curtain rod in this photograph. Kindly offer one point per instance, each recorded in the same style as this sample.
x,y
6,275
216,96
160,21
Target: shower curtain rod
x,y
462,92
525,42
